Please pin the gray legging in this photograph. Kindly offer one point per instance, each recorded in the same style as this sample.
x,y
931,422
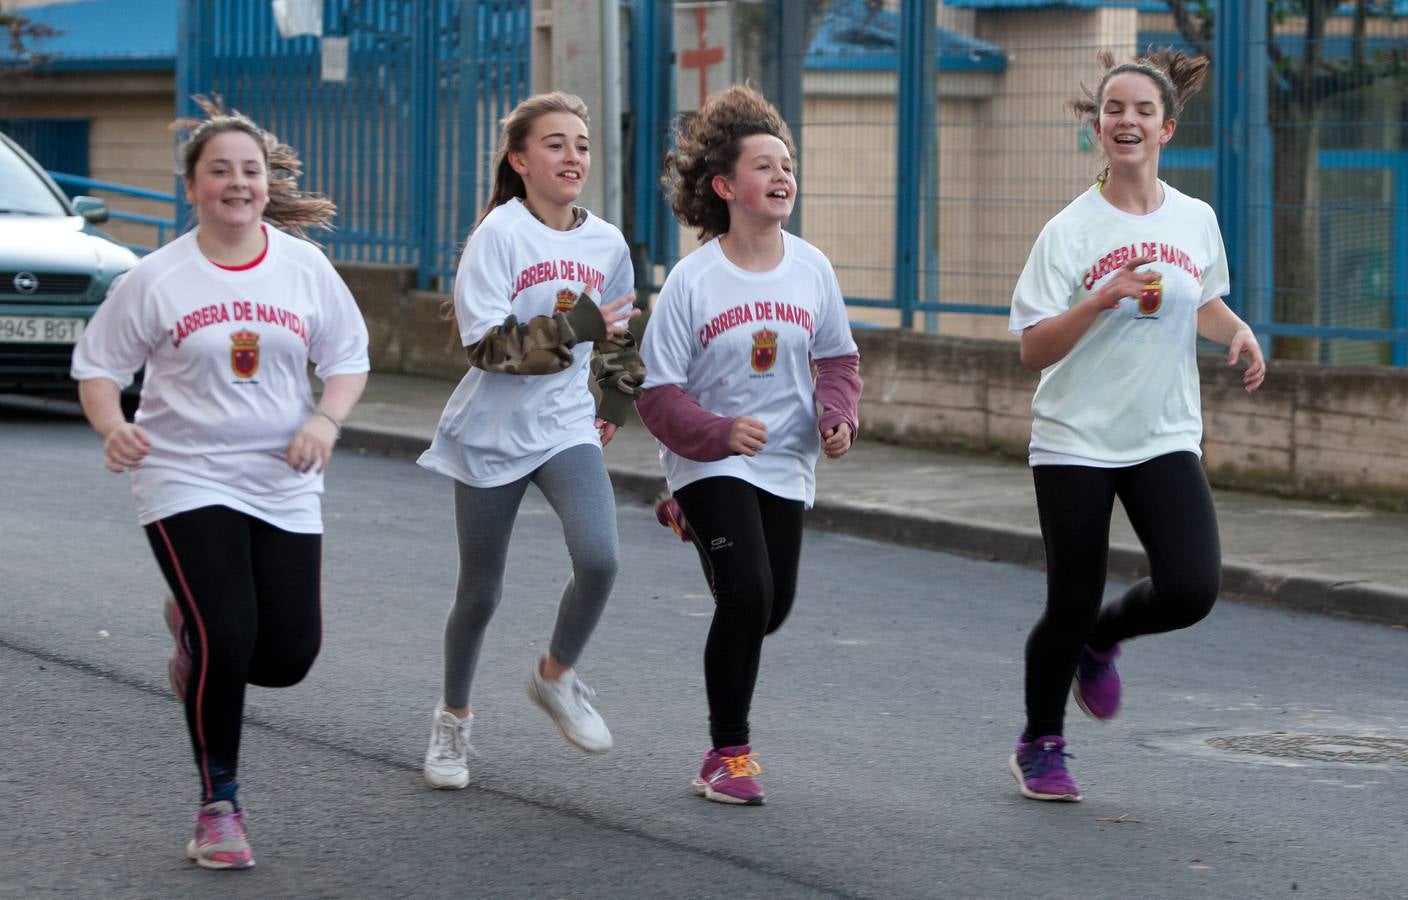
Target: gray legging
x,y
575,483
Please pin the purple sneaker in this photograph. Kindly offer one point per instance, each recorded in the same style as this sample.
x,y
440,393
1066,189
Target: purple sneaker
x,y
1040,769
220,841
178,668
1097,684
728,776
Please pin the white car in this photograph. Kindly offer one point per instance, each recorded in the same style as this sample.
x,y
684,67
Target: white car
x,y
55,268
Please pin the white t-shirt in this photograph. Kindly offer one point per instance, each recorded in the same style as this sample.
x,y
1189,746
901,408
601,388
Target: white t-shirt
x,y
741,343
1128,391
226,385
496,428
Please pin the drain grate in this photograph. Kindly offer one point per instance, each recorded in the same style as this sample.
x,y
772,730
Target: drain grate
x,y
1335,748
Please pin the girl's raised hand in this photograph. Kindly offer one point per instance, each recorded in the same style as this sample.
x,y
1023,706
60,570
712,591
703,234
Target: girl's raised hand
x,y
617,321
1128,282
747,436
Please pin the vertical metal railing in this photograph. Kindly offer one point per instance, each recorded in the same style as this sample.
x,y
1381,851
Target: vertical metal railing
x,y
402,144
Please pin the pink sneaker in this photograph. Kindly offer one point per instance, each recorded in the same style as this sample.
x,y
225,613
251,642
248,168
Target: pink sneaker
x,y
178,668
728,775
220,842
669,514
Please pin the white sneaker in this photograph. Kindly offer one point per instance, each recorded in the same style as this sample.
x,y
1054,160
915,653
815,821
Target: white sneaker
x,y
447,758
566,701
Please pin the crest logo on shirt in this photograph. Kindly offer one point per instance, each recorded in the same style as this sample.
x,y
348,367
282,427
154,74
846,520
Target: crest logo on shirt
x,y
244,353
764,350
566,299
1151,298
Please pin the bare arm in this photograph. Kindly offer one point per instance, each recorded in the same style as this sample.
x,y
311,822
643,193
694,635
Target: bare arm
x,y
1217,322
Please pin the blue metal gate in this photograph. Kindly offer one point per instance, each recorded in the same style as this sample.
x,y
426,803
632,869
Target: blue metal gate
x,y
401,137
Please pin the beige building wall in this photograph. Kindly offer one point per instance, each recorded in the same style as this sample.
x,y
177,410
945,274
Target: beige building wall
x,y
128,138
1010,157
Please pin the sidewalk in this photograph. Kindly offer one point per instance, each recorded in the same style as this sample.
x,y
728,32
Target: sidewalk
x,y
1316,557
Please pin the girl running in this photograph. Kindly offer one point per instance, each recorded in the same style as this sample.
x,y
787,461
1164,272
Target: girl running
x,y
228,449
730,397
526,300
1116,290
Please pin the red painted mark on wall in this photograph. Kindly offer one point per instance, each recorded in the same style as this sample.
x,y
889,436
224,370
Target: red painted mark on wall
x,y
702,57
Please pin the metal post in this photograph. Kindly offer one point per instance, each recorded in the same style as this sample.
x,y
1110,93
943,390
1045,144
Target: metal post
x,y
1257,187
611,109
1398,268
423,189
191,74
928,125
782,78
1242,157
467,194
916,55
643,153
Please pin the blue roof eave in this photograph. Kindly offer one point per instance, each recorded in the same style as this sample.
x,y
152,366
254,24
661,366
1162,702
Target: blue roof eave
x,y
889,62
65,64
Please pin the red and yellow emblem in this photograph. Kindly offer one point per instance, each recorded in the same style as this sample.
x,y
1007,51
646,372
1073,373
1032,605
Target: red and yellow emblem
x,y
764,350
244,353
1151,298
566,299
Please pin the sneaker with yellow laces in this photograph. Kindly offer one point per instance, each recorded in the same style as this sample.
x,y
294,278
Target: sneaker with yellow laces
x,y
729,775
669,514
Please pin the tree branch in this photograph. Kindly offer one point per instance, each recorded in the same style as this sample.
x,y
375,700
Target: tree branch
x,y
1193,31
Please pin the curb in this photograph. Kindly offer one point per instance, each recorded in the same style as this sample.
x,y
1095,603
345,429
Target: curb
x,y
1364,600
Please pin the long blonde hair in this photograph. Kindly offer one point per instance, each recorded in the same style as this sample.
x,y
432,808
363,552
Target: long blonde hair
x,y
289,208
513,138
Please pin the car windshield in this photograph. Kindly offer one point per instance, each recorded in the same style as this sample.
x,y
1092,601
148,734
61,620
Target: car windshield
x,y
22,191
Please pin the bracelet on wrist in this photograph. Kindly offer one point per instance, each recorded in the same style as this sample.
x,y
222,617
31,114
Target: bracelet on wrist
x,y
319,411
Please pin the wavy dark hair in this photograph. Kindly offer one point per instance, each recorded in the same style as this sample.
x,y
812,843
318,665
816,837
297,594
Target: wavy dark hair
x,y
1178,76
289,208
513,137
707,144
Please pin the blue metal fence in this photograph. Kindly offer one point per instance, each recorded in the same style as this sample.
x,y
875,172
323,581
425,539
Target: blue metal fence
x,y
402,139
930,158
160,226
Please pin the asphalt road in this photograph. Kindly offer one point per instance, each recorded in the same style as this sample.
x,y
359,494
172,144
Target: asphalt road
x,y
886,709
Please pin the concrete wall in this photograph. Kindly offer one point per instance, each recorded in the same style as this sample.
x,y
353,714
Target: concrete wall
x,y
1314,431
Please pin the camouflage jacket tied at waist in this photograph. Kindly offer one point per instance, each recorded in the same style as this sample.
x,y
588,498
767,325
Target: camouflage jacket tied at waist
x,y
543,346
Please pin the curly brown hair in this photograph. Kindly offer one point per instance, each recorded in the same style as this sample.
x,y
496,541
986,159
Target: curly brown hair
x,y
1178,76
708,144
289,208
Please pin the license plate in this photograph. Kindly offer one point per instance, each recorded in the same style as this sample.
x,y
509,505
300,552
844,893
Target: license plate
x,y
39,330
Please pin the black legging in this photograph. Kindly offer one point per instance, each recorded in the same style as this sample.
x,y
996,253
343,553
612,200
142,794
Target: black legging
x,y
1169,505
749,543
249,593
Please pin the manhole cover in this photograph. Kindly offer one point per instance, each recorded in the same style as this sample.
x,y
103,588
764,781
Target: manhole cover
x,y
1335,748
